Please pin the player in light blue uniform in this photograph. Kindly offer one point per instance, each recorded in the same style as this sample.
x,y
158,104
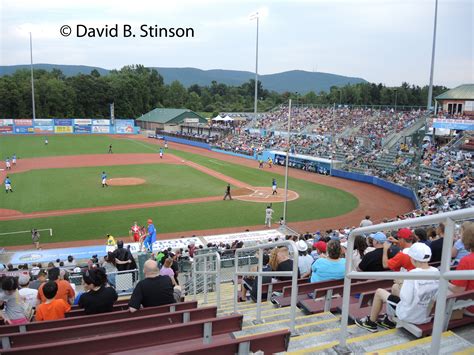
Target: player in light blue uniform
x,y
8,185
161,153
151,236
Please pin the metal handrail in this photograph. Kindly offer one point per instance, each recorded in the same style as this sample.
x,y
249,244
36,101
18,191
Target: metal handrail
x,y
443,276
259,274
205,272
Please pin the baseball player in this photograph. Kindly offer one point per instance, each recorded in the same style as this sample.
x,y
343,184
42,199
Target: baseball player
x,y
14,159
46,141
135,232
8,185
166,144
110,149
270,162
8,165
227,192
274,187
151,236
268,216
104,179
161,153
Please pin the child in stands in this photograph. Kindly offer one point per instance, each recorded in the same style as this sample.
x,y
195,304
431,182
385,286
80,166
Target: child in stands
x,y
53,308
415,300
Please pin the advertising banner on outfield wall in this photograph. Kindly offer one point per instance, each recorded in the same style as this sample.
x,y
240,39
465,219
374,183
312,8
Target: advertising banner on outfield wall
x,y
6,122
63,122
24,130
6,129
43,122
44,129
101,129
464,125
82,122
25,122
101,122
63,129
124,126
82,129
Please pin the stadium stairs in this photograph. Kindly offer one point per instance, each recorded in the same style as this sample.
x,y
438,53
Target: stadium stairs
x,y
319,333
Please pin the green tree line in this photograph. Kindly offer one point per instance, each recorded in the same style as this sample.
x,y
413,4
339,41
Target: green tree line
x,y
136,90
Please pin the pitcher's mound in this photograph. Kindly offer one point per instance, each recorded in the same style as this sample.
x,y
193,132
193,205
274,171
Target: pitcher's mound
x,y
125,181
263,194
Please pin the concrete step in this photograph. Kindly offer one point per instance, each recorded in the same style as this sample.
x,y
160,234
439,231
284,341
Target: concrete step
x,y
270,316
360,344
450,343
304,324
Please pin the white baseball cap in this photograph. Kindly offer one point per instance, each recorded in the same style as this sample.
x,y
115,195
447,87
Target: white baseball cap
x,y
420,252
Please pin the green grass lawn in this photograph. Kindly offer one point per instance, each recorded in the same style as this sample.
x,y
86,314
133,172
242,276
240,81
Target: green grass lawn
x,y
316,201
25,146
58,189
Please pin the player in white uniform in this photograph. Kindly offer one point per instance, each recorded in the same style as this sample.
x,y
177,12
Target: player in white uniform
x,y
268,216
8,165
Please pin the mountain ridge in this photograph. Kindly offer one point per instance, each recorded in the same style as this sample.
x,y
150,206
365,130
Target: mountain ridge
x,y
292,81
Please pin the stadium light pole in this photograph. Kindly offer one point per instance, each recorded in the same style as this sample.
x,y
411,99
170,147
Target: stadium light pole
x,y
286,163
32,80
430,89
253,17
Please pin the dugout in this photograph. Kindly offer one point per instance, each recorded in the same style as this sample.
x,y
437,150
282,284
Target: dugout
x,y
300,161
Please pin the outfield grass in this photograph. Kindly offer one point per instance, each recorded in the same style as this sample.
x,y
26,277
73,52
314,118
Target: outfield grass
x,y
25,146
316,201
58,189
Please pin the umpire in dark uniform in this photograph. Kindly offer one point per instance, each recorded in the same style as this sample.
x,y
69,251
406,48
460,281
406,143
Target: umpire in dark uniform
x,y
227,192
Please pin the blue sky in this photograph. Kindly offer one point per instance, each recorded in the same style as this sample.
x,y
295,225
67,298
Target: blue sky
x,y
386,41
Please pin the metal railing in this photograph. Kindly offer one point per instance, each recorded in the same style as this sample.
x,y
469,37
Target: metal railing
x,y
123,281
214,259
444,274
260,273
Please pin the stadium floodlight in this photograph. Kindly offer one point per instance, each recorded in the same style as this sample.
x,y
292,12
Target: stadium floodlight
x,y
286,163
430,89
32,80
253,17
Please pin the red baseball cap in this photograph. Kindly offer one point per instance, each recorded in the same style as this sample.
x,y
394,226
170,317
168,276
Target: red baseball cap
x,y
321,246
404,233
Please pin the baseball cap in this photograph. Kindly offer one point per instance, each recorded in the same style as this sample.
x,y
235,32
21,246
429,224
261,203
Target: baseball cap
x,y
23,279
302,245
150,221
420,252
404,233
320,246
379,237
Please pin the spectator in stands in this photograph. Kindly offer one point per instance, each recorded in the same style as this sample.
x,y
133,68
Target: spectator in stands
x,y
13,310
373,261
122,257
70,263
415,300
175,266
53,308
319,250
40,279
422,236
360,249
29,295
110,268
284,263
466,263
459,251
366,222
250,283
154,290
64,290
401,261
166,270
332,267
98,298
437,245
304,259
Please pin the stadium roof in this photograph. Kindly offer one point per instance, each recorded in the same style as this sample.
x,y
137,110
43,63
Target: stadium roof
x,y
170,115
462,92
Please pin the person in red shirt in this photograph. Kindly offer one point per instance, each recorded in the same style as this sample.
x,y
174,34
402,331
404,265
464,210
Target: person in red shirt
x,y
54,308
135,232
405,238
466,263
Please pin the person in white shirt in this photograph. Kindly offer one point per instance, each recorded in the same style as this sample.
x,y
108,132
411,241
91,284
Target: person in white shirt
x,y
29,295
304,259
416,296
366,222
268,216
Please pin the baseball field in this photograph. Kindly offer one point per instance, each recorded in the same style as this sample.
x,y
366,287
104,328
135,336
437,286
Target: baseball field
x,y
59,186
